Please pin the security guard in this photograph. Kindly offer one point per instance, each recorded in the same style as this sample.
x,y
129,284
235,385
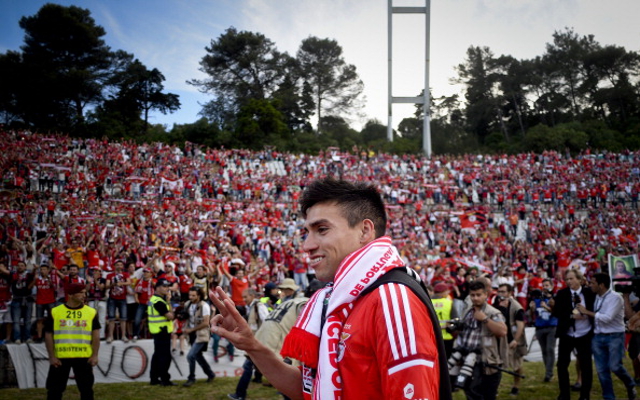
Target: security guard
x,y
72,337
160,326
443,306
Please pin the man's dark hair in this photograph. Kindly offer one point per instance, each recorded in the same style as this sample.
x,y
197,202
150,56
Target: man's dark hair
x,y
476,285
507,286
358,201
603,278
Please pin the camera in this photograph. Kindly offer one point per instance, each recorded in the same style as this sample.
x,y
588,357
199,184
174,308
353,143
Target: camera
x,y
461,364
628,284
455,325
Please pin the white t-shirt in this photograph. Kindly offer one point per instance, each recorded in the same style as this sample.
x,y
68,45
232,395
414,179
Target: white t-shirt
x,y
206,310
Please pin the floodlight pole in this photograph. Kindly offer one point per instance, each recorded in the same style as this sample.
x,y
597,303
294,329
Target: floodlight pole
x,y
425,99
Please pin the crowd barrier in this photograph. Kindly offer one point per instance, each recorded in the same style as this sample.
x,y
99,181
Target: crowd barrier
x,y
118,362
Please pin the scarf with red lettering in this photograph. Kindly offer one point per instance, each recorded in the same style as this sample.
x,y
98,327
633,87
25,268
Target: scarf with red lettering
x,y
316,344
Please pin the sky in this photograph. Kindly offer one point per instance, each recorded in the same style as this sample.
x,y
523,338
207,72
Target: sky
x,y
171,35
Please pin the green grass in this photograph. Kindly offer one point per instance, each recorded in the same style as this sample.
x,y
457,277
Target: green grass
x,y
530,388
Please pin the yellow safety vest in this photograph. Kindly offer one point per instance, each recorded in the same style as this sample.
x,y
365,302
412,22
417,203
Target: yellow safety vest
x,y
265,300
157,321
443,310
72,331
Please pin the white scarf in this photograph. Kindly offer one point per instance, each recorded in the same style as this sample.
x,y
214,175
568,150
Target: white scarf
x,y
309,340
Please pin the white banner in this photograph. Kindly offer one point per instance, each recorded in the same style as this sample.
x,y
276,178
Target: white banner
x,y
119,362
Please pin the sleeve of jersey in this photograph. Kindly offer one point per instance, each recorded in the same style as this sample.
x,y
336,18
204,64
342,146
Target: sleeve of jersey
x,y
407,349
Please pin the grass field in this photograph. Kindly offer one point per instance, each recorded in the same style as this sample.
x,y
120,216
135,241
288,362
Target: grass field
x,y
531,388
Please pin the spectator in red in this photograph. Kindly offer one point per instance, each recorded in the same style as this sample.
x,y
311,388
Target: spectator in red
x,y
46,285
143,292
59,256
239,283
184,283
117,283
169,275
535,282
93,255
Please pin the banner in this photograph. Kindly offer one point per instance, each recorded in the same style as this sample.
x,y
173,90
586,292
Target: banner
x,y
471,219
119,362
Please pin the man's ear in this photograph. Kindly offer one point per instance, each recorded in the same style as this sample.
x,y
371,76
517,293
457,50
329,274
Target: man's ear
x,y
368,231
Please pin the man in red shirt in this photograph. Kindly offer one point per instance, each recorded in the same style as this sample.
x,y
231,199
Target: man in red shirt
x,y
143,292
93,256
59,256
184,283
239,283
117,283
46,286
379,344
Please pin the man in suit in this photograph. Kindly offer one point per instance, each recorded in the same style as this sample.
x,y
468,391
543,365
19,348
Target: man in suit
x,y
575,331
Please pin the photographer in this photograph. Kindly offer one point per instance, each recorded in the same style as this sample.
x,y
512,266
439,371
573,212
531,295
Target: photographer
x,y
514,316
482,328
198,331
545,324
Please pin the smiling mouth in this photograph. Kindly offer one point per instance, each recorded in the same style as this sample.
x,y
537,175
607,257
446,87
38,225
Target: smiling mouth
x,y
315,260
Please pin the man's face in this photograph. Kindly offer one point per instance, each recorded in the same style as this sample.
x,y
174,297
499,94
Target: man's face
x,y
79,297
21,266
73,271
162,290
478,297
596,287
546,285
572,281
287,293
193,297
502,291
247,298
44,271
329,239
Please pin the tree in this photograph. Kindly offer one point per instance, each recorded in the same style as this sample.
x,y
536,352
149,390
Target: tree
x,y
335,85
241,65
476,73
134,90
259,123
566,55
67,60
11,80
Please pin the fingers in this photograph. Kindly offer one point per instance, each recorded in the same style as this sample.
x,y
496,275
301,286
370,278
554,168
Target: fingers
x,y
217,297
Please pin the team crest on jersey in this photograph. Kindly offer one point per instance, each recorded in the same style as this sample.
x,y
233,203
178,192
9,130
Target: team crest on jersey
x,y
409,391
342,345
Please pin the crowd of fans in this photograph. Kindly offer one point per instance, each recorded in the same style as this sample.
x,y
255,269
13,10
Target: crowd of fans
x,y
118,215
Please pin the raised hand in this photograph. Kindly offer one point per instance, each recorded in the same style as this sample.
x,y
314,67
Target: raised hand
x,y
229,323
